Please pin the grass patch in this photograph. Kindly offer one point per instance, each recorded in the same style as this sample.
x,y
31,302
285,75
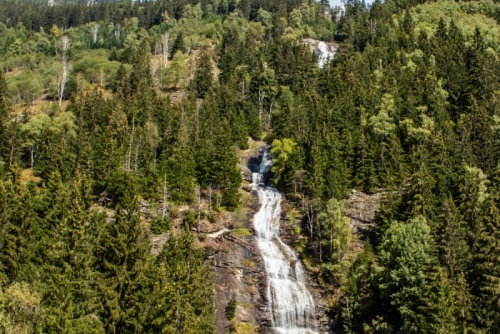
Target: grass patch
x,y
242,232
248,263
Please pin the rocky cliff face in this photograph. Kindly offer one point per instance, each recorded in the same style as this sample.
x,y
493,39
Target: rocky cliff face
x,y
361,209
238,274
323,310
238,268
236,265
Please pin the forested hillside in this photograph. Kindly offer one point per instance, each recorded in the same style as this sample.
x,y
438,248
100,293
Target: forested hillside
x,y
107,105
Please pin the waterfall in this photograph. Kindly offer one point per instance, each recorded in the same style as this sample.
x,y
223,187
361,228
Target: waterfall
x,y
325,53
291,305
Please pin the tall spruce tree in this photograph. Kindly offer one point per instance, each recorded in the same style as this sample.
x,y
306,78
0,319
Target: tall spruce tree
x,y
184,299
4,117
203,76
124,285
69,281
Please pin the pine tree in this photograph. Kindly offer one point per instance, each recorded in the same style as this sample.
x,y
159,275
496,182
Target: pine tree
x,y
452,239
141,80
121,85
4,119
178,44
440,309
183,303
228,56
124,285
486,254
70,297
19,231
203,76
224,169
179,169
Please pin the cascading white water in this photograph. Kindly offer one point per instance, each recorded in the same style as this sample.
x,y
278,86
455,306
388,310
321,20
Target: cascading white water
x,y
325,53
291,305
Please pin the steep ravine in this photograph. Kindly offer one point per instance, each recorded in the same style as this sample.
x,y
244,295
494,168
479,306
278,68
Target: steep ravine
x,y
238,269
237,266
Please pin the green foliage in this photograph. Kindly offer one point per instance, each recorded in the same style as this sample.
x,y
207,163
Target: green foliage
x,y
231,308
160,225
281,151
178,44
408,107
242,232
336,231
190,218
405,260
177,70
124,248
4,117
203,75
20,311
360,296
181,268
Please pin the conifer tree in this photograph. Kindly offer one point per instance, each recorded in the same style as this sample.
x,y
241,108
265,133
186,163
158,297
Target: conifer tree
x,y
178,44
452,240
203,75
124,285
440,308
19,231
4,118
179,169
141,81
224,169
121,84
184,300
487,280
68,276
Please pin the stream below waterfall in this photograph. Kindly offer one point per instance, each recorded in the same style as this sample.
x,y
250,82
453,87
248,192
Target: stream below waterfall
x,y
290,303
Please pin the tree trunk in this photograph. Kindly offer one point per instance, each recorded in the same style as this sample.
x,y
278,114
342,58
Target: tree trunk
x,y
165,196
261,104
131,141
199,208
65,43
165,48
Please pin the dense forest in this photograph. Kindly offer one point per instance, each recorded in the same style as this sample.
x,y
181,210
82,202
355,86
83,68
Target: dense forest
x,y
107,104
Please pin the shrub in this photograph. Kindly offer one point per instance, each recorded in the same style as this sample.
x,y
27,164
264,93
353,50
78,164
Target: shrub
x,y
242,232
231,308
160,225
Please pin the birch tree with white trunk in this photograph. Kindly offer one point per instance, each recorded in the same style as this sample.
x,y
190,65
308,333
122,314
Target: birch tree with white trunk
x,y
63,78
118,31
94,30
165,38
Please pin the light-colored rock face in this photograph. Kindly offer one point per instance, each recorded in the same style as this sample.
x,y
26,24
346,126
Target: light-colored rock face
x,y
238,274
361,209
